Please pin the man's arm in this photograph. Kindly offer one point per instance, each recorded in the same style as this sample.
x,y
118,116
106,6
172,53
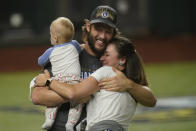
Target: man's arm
x,y
120,82
82,90
59,92
44,96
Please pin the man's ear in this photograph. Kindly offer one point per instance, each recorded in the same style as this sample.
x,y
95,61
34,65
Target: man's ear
x,y
87,24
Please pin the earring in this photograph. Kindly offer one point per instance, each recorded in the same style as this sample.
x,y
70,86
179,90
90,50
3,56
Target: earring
x,y
120,63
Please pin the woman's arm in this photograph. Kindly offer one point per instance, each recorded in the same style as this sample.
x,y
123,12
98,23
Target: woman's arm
x,y
120,82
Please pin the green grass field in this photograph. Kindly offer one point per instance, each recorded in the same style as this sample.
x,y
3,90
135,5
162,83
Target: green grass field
x,y
19,114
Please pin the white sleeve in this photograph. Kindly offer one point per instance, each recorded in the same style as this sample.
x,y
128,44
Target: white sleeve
x,y
31,85
103,72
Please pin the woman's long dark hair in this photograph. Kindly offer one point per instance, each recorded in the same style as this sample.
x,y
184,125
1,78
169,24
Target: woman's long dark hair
x,y
134,66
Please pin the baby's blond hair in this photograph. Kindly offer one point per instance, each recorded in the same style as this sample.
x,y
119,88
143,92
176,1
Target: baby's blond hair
x,y
64,28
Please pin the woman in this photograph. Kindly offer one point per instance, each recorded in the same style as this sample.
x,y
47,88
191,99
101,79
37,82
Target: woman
x,y
107,109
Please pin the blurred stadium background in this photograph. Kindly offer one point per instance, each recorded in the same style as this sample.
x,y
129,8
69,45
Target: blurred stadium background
x,y
163,31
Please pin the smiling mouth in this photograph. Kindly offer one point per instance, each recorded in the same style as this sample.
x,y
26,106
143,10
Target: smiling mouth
x,y
100,43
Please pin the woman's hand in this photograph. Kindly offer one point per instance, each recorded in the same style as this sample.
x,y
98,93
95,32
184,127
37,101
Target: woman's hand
x,y
41,79
120,82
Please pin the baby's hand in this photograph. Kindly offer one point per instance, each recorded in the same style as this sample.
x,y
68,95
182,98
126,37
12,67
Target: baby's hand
x,y
82,46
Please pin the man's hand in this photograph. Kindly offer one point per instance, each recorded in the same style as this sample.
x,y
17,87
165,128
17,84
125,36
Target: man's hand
x,y
41,79
118,83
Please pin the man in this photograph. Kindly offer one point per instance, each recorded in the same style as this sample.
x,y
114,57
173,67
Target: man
x,y
98,31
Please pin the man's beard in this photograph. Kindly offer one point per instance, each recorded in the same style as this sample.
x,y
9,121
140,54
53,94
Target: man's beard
x,y
91,42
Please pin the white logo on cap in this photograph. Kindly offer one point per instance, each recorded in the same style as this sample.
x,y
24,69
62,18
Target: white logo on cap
x,y
104,14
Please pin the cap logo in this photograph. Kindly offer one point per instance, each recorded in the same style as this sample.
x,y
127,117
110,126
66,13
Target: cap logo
x,y
104,14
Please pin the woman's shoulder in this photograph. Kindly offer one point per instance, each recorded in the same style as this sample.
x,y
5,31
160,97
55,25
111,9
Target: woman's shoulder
x,y
106,71
106,68
103,72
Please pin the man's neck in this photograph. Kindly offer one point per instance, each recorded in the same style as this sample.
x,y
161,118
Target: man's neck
x,y
89,50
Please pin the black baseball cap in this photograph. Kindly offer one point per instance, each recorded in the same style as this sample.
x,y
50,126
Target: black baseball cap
x,y
104,14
